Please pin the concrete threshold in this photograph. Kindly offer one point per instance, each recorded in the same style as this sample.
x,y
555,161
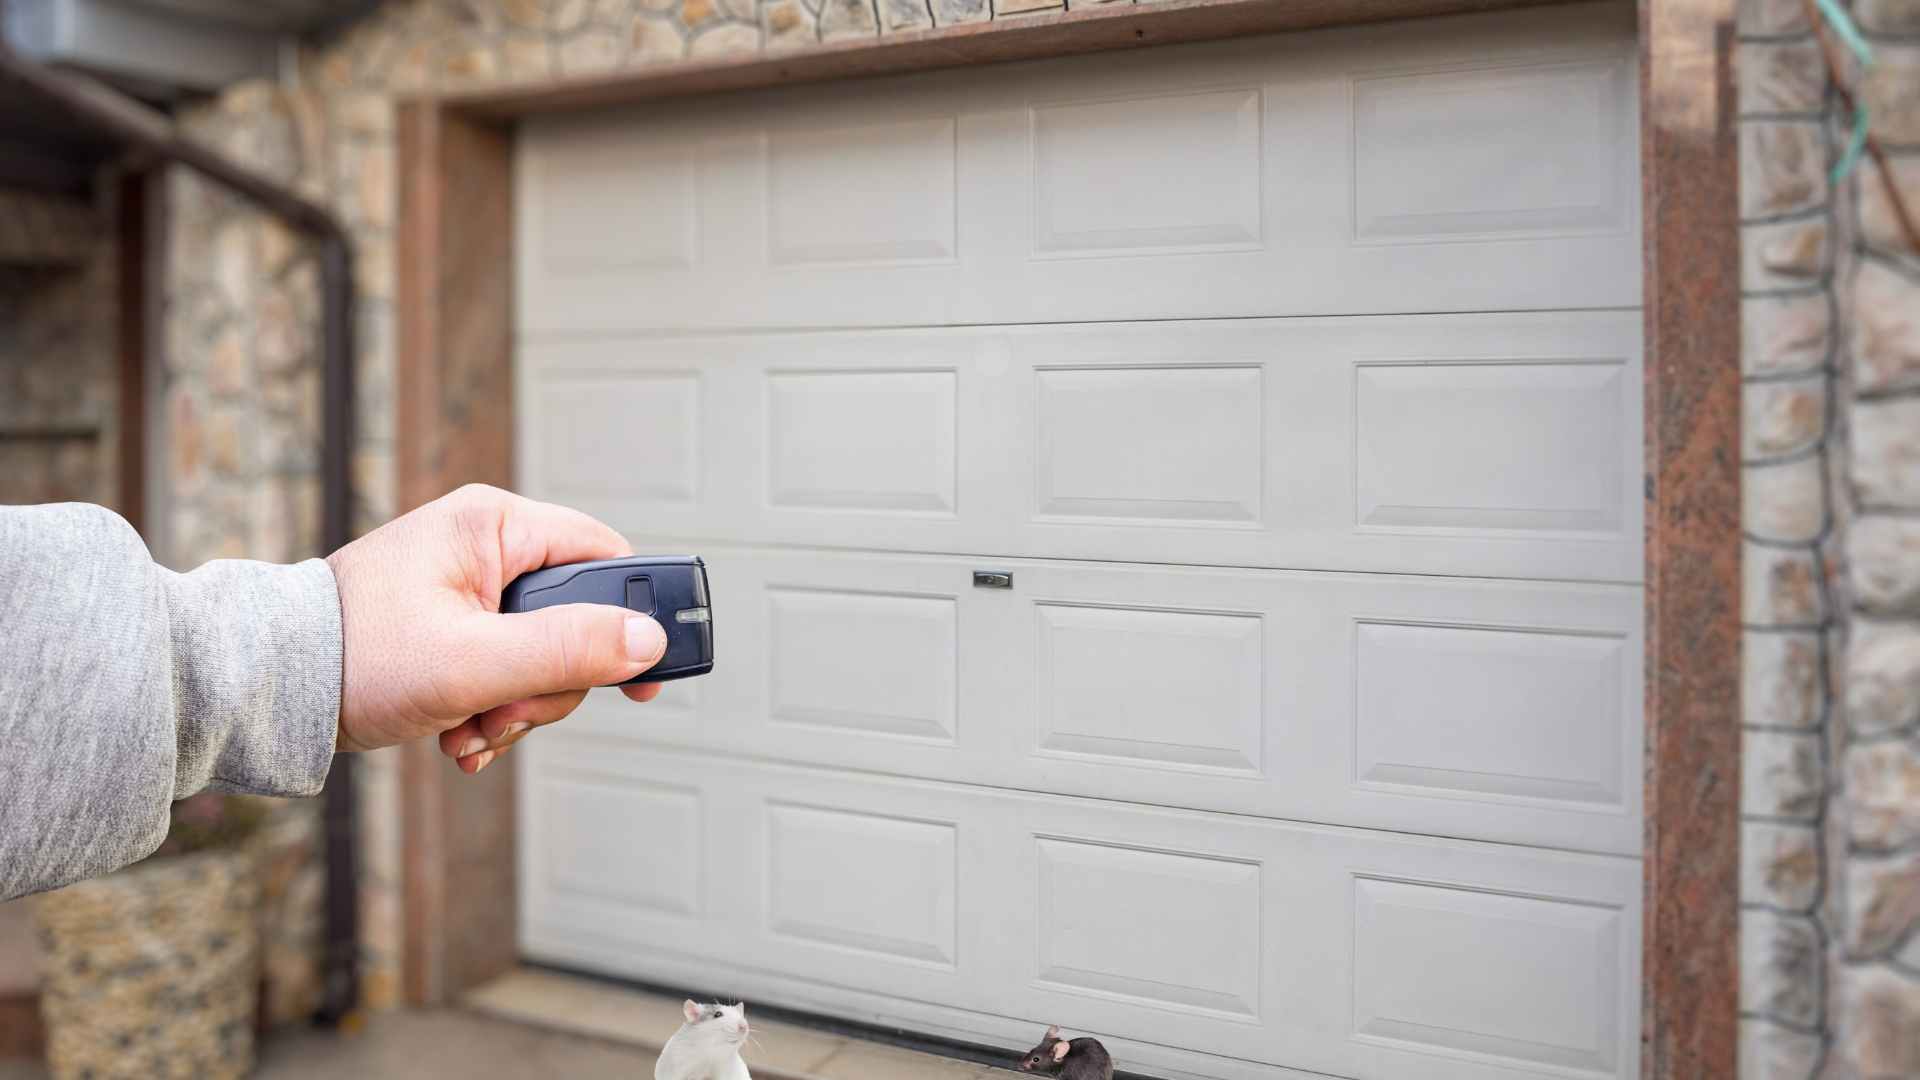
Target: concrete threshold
x,y
777,1051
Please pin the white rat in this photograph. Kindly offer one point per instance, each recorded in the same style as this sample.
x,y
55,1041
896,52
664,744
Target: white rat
x,y
707,1046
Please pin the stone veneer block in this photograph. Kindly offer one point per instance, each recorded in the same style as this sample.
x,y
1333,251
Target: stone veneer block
x,y
1782,77
1883,561
1878,226
953,12
1782,776
1883,905
848,18
1892,92
1886,320
1783,167
1771,17
1783,587
1781,967
1785,334
1781,686
1786,255
1888,16
904,15
1783,417
1785,502
1883,677
1886,453
1769,1051
1780,865
1883,785
1879,1014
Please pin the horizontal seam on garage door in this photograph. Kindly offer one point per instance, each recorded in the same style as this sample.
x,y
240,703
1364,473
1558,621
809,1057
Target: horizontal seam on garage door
x,y
662,540
736,757
544,336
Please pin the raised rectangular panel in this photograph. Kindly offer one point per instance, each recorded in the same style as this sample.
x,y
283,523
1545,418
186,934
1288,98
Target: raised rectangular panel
x,y
587,841
1491,446
1489,712
868,662
622,435
861,881
1179,444
1491,152
862,440
877,193
1174,931
1176,689
1523,980
610,201
1103,186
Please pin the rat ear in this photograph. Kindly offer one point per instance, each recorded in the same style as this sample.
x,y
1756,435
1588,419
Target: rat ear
x,y
1053,1031
690,1010
1060,1050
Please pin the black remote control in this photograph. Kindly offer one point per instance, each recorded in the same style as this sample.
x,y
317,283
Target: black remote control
x,y
671,588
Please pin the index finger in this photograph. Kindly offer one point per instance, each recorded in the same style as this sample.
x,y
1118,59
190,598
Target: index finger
x,y
534,534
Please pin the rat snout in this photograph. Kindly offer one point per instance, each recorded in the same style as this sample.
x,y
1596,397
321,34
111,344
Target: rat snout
x,y
740,1028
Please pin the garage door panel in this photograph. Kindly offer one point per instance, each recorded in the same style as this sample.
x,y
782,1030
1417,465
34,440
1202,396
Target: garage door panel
x,y
575,870
1502,443
1484,709
1094,898
1243,178
1176,444
1338,950
1098,191
1411,678
1517,979
1503,149
863,440
892,890
862,661
1169,688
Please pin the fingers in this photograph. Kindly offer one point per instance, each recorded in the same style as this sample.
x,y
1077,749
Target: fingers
x,y
479,741
475,762
536,534
496,727
569,647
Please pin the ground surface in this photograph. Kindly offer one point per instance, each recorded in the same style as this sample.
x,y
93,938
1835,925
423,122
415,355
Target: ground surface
x,y
546,1027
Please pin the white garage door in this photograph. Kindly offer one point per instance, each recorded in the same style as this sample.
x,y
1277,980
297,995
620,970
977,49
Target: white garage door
x,y
1295,382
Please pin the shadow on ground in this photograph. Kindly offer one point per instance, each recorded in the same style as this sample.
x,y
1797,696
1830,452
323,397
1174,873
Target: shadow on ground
x,y
430,1043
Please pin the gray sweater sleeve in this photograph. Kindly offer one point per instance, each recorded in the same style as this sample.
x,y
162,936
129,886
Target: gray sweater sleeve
x,y
125,686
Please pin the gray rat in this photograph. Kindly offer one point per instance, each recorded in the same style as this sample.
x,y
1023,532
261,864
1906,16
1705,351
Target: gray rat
x,y
1081,1059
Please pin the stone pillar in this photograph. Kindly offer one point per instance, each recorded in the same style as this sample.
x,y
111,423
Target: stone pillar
x,y
1876,882
1788,346
1830,950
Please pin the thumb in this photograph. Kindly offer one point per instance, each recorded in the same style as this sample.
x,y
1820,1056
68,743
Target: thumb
x,y
566,647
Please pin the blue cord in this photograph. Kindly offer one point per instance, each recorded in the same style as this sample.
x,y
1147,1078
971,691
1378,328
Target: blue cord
x,y
1842,24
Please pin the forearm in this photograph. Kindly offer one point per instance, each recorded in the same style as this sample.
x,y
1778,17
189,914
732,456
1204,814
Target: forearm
x,y
124,686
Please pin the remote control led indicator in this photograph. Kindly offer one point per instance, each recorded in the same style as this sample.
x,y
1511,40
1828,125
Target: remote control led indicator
x,y
692,615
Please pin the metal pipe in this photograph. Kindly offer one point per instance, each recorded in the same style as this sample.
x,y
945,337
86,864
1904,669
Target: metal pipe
x,y
99,108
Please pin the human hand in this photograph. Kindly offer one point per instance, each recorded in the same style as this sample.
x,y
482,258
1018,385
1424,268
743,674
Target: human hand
x,y
427,651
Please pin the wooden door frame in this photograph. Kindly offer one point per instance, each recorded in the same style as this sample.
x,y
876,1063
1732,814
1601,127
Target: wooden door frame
x,y
456,408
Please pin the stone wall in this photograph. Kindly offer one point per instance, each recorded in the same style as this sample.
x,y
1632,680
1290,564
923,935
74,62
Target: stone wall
x,y
58,369
1830,890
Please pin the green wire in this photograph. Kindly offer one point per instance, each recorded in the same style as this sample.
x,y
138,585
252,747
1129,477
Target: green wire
x,y
1842,24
